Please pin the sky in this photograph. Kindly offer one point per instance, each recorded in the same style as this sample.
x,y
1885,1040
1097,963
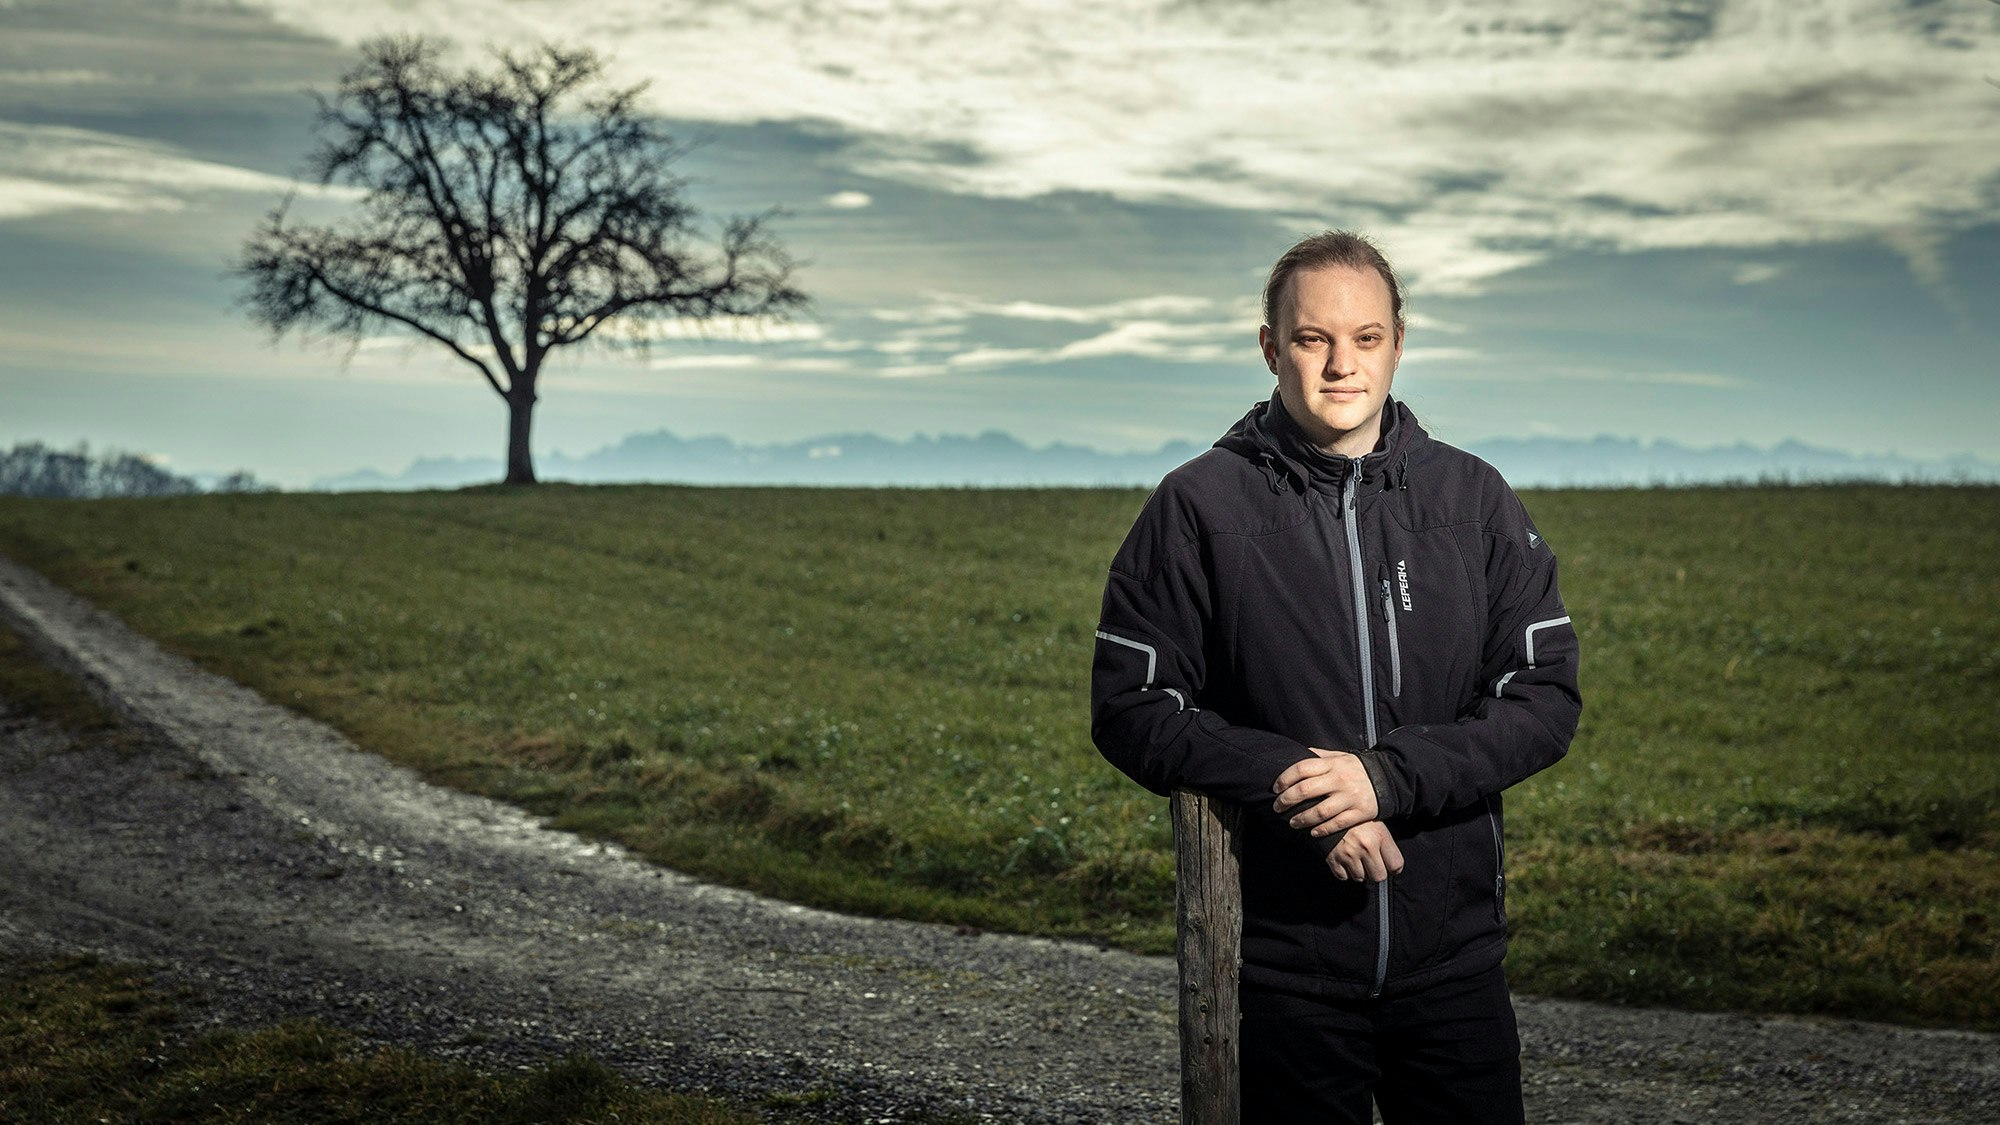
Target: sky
x,y
1698,220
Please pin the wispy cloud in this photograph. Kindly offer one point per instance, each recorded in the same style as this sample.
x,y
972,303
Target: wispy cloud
x,y
68,76
1551,373
947,307
47,168
1148,339
931,337
1203,342
1421,322
734,329
1714,380
1475,136
998,357
1440,355
739,361
1923,249
21,197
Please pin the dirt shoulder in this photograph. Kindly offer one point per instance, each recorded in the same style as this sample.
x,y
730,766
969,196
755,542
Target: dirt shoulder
x,y
260,856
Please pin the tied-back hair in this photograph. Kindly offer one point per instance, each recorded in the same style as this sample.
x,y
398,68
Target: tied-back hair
x,y
1331,248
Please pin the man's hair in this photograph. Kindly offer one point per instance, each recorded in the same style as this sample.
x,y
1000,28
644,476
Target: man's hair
x,y
1331,248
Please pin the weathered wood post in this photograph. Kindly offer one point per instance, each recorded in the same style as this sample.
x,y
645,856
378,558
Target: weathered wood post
x,y
1208,926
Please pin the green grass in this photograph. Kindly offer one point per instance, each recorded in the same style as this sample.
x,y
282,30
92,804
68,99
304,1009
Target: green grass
x,y
30,686
1785,796
82,1041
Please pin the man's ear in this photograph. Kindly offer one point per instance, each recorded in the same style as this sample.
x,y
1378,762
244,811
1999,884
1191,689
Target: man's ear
x,y
1267,342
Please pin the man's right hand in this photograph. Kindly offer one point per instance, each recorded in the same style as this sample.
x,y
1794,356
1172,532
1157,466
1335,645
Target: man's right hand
x,y
1366,852
1338,779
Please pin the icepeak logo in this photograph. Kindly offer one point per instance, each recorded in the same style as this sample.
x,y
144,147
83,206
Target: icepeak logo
x,y
1534,540
1403,582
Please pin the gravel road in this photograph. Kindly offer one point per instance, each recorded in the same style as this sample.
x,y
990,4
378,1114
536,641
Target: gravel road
x,y
259,856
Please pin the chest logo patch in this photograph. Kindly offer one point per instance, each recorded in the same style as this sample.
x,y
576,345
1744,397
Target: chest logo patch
x,y
1403,582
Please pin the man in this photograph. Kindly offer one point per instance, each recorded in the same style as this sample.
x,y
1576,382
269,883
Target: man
x,y
1353,630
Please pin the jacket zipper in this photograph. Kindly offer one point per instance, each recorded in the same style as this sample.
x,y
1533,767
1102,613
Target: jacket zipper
x,y
1499,864
1351,524
1395,650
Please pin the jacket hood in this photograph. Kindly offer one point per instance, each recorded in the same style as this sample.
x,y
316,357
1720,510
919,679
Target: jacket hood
x,y
1268,437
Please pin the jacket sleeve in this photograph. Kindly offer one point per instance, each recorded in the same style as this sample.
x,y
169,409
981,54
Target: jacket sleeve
x,y
1529,701
1146,680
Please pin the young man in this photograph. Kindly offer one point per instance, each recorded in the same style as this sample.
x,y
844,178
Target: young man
x,y
1353,630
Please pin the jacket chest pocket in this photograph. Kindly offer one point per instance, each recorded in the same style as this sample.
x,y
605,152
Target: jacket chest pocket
x,y
1428,622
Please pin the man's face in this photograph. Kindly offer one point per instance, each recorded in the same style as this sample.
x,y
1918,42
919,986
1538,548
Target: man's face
x,y
1334,351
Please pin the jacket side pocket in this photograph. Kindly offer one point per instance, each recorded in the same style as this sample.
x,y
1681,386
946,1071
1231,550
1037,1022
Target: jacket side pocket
x,y
1499,864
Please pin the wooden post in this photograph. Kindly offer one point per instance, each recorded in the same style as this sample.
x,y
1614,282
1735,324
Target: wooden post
x,y
1208,927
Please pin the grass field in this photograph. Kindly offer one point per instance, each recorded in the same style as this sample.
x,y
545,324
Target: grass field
x,y
1785,796
82,1042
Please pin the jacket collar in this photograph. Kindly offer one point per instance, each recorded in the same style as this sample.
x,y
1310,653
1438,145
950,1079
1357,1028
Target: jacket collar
x,y
1268,436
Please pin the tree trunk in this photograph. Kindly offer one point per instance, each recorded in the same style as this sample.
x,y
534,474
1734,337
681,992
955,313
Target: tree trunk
x,y
520,414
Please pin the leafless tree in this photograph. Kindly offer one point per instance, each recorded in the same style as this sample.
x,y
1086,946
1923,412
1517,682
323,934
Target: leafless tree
x,y
503,213
34,469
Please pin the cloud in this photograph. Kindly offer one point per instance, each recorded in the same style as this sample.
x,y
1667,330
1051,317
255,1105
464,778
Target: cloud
x,y
848,200
1157,339
930,337
1516,373
1474,136
1922,249
1756,273
1147,339
21,198
47,168
1440,355
952,308
71,76
911,370
1000,357
742,362
920,338
1425,323
736,329
1711,380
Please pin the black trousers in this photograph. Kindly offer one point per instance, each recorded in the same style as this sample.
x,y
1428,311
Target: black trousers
x,y
1448,1054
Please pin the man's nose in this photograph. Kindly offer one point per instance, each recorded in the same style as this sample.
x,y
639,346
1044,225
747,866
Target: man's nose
x,y
1340,360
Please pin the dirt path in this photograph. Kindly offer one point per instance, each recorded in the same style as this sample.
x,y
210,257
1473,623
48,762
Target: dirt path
x,y
262,857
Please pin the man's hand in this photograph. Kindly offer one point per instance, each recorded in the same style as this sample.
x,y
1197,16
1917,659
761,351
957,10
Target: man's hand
x,y
1338,777
1366,852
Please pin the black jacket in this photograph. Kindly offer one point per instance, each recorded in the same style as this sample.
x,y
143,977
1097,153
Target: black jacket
x,y
1272,598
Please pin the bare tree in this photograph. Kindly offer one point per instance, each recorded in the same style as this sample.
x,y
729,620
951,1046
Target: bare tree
x,y
34,469
503,214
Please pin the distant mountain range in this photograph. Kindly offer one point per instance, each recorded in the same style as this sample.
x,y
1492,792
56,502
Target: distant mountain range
x,y
995,459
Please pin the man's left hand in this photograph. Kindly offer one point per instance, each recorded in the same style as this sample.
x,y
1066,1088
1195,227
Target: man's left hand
x,y
1368,852
1339,779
